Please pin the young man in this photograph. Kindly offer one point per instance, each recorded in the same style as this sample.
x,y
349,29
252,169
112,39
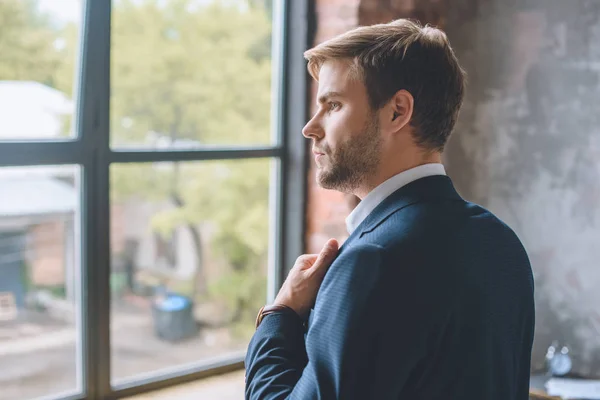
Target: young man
x,y
431,297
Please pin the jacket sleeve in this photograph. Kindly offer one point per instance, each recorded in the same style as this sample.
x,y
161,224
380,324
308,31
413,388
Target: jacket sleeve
x,y
354,348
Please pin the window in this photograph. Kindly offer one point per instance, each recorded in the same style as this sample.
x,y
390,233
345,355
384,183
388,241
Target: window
x,y
39,48
188,74
39,316
198,231
152,178
165,245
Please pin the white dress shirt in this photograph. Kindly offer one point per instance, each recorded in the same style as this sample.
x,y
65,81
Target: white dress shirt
x,y
377,195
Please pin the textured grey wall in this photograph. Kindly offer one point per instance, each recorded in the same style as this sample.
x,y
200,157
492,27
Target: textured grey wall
x,y
527,147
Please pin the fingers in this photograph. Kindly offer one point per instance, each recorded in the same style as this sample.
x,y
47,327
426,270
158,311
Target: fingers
x,y
306,259
327,254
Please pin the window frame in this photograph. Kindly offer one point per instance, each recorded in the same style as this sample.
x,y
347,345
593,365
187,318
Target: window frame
x,y
293,30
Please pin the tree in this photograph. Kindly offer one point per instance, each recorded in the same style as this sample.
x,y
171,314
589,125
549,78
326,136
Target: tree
x,y
35,48
187,72
24,32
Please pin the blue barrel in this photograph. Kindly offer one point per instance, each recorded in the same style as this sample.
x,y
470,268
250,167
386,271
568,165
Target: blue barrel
x,y
174,318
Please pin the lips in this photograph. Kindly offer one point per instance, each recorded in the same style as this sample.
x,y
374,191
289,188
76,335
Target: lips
x,y
318,155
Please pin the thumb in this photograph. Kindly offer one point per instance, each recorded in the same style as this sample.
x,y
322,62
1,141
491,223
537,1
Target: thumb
x,y
327,254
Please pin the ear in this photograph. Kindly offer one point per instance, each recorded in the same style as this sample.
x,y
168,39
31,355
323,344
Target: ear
x,y
398,112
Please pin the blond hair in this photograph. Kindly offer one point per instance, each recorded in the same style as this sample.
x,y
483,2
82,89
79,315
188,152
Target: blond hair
x,y
403,55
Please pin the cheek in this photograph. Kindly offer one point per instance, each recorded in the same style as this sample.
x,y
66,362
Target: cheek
x,y
338,129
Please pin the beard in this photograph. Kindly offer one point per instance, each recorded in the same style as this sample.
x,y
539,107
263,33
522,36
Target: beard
x,y
352,162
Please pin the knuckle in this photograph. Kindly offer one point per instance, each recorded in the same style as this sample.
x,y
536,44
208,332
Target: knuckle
x,y
303,259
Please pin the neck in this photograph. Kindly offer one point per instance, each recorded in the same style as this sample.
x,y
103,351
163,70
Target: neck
x,y
395,166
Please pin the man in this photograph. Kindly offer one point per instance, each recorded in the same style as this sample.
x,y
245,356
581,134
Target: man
x,y
430,297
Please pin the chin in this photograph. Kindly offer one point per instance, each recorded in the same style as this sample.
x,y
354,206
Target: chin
x,y
324,181
321,178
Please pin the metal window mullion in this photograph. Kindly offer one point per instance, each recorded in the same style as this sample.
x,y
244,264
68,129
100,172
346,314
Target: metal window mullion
x,y
298,32
93,130
276,193
141,156
16,154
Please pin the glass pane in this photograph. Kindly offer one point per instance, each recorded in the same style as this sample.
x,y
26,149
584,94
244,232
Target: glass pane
x,y
39,47
189,258
189,74
39,272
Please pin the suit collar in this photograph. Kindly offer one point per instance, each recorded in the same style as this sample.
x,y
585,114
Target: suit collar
x,y
385,189
424,189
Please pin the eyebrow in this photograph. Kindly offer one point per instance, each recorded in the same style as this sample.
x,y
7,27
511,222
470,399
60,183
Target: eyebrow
x,y
327,95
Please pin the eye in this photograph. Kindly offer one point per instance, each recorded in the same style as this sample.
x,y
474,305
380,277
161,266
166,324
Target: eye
x,y
333,105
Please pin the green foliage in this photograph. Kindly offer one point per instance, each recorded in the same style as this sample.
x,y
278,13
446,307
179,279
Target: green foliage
x,y
181,70
58,291
191,75
201,74
27,43
241,287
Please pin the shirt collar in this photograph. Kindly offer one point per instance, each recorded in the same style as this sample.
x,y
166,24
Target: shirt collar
x,y
377,195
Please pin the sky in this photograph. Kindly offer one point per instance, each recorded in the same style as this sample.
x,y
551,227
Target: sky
x,y
71,10
63,10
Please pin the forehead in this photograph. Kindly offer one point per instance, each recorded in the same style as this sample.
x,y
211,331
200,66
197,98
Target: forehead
x,y
339,76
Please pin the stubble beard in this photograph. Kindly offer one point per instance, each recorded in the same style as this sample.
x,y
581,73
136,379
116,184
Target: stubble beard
x,y
351,164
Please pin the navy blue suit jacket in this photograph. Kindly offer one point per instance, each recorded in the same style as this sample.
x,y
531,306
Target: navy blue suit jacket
x,y
431,297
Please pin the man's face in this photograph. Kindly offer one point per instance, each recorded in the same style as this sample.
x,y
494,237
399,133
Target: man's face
x,y
345,131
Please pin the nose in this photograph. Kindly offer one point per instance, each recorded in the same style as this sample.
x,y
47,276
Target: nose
x,y
313,129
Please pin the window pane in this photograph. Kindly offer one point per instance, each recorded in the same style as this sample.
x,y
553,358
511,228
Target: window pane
x,y
188,73
189,256
39,270
39,46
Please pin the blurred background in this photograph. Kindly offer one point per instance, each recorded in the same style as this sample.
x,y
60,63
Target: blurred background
x,y
186,171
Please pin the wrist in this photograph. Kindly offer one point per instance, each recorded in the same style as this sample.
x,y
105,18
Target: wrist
x,y
274,308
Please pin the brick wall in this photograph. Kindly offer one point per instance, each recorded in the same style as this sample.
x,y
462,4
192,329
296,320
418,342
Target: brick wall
x,y
327,209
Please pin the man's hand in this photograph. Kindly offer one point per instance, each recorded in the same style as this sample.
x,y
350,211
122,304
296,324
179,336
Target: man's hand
x,y
299,291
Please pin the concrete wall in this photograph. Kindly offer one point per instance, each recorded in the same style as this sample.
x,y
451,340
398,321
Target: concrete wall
x,y
527,145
